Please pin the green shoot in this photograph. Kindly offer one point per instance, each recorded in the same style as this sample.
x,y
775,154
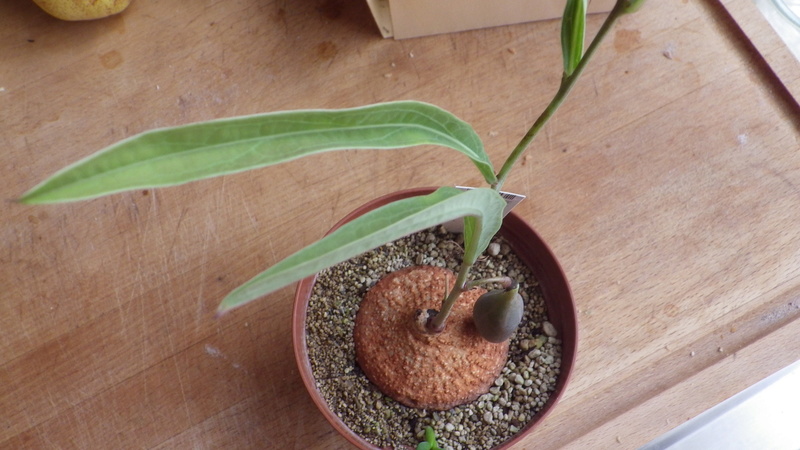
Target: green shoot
x,y
430,441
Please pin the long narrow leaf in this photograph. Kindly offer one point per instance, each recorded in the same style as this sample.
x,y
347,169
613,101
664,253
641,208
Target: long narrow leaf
x,y
171,156
573,29
375,228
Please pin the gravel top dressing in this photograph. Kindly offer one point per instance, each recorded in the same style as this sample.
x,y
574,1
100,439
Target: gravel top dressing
x,y
518,394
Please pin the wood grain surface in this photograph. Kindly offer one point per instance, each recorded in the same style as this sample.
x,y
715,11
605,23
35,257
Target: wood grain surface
x,y
668,185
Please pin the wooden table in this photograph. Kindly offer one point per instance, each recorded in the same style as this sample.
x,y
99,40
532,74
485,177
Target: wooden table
x,y
668,185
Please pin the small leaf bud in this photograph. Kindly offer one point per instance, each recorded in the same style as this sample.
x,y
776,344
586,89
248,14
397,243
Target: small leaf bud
x,y
497,314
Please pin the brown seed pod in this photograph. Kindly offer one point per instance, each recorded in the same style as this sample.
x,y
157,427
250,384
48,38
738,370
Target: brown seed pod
x,y
497,314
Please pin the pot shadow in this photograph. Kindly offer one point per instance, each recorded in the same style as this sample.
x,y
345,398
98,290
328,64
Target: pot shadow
x,y
337,15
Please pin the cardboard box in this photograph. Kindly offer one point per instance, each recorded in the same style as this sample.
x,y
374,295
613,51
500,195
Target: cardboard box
x,y
403,19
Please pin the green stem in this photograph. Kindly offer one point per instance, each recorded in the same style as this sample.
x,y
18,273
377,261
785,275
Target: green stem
x,y
437,322
567,83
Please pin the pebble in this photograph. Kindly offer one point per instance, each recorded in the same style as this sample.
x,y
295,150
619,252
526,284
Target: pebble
x,y
549,329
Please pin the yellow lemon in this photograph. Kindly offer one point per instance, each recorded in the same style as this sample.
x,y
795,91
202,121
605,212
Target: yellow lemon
x,y
82,9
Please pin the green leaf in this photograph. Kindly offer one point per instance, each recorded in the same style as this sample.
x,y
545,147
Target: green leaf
x,y
424,446
376,228
171,156
430,439
430,436
573,29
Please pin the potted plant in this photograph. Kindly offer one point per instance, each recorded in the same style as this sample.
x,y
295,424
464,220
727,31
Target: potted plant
x,y
540,354
449,311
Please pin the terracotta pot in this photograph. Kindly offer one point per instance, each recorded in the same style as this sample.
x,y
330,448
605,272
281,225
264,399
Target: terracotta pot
x,y
531,250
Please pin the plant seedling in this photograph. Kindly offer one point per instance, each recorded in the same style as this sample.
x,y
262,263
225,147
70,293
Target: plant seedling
x,y
171,156
430,441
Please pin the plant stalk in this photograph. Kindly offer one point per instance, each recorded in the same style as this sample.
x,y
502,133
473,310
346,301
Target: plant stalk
x,y
436,323
567,83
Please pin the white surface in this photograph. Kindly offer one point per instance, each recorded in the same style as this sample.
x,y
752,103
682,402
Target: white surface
x,y
765,416
784,16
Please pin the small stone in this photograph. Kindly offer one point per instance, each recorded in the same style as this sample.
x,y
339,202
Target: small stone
x,y
488,417
449,427
549,329
494,249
